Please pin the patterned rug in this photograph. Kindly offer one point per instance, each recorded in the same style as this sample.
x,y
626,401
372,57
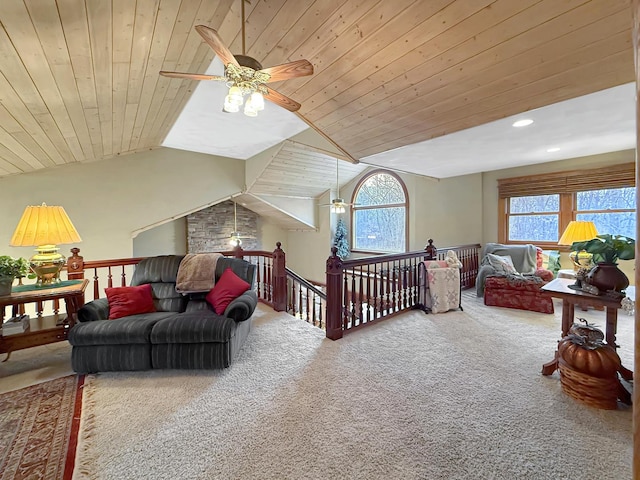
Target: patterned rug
x,y
39,429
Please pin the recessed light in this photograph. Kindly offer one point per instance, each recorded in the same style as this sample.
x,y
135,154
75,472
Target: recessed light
x,y
523,123
553,149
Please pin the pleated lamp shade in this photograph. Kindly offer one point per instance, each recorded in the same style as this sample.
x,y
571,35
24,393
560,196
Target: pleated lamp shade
x,y
578,231
44,225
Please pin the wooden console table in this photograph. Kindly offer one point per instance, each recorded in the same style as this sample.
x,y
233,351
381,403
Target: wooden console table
x,y
41,330
559,288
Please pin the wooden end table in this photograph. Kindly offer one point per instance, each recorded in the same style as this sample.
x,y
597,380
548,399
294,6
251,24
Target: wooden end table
x,y
43,331
559,288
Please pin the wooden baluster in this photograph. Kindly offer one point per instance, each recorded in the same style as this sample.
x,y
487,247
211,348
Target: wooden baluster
x,y
334,296
353,300
368,293
306,303
258,279
361,297
292,298
299,299
389,287
96,286
375,291
270,277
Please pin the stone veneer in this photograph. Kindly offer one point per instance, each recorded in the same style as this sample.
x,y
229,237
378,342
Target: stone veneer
x,y
209,229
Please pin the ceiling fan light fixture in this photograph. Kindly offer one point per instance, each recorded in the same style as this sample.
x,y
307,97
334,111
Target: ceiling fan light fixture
x,y
235,95
256,100
250,111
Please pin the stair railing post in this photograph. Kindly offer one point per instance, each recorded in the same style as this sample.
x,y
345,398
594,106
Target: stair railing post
x,y
75,265
279,279
334,295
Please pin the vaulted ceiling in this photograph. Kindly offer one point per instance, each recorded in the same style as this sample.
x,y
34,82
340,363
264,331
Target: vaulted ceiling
x,y
79,79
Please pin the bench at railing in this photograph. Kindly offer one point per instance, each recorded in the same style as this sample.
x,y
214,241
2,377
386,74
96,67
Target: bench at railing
x,y
364,290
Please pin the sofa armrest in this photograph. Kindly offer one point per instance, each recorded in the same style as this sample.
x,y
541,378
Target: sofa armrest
x,y
241,308
94,310
546,275
484,272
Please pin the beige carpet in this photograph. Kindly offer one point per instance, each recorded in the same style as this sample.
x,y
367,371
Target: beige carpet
x,y
456,395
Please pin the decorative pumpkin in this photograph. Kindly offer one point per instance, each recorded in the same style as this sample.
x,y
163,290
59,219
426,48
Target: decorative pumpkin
x,y
587,331
594,358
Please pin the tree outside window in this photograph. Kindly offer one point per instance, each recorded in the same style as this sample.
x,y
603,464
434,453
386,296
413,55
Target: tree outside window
x,y
379,214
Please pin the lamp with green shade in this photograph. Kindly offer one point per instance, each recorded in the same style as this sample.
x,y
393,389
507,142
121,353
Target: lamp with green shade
x,y
44,227
579,231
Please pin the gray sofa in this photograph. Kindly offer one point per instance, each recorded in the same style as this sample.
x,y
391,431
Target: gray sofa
x,y
183,333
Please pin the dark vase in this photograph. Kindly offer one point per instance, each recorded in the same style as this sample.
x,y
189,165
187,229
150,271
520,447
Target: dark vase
x,y
607,276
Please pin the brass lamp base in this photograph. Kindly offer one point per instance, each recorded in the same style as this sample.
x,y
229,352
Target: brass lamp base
x,y
581,259
47,264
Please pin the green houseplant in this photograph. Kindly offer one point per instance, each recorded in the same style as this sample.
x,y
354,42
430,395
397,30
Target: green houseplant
x,y
10,268
607,250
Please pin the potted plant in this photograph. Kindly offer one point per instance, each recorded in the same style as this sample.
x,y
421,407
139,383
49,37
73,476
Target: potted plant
x,y
10,268
607,250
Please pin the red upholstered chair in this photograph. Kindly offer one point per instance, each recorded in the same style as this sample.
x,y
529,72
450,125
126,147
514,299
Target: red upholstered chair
x,y
504,289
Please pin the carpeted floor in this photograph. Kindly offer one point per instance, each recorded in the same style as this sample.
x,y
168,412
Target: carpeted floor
x,y
448,396
38,430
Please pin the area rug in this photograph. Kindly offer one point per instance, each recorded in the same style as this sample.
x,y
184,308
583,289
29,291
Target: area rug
x,y
38,429
450,396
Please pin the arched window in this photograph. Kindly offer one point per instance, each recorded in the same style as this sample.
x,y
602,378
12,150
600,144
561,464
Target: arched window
x,y
380,212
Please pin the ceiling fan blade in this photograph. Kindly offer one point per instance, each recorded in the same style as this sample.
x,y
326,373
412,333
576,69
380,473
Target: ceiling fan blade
x,y
299,68
279,99
215,42
192,76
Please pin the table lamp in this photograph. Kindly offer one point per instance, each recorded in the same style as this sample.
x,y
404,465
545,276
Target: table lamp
x,y
44,227
579,231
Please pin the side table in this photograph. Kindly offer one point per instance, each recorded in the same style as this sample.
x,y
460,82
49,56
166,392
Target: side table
x,y
42,331
559,288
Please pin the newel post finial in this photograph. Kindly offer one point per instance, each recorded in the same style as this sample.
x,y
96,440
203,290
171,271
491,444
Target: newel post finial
x,y
430,250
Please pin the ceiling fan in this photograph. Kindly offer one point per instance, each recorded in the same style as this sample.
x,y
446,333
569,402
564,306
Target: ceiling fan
x,y
235,238
338,205
245,76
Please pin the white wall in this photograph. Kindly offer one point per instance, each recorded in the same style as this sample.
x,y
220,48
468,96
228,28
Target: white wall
x,y
108,200
446,210
167,239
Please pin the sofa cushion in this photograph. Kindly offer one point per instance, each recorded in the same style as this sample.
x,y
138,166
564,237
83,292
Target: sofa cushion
x,y
193,327
227,287
125,301
134,329
503,264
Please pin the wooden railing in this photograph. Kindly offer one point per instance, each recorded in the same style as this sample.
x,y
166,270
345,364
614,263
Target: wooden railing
x,y
357,292
362,291
269,284
305,300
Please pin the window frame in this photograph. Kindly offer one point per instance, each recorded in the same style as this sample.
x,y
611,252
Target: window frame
x,y
567,186
355,208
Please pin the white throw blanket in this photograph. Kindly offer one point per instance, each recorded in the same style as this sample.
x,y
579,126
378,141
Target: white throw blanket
x,y
197,272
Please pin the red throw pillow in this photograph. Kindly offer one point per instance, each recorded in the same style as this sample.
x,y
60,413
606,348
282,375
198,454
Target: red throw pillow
x,y
228,287
124,301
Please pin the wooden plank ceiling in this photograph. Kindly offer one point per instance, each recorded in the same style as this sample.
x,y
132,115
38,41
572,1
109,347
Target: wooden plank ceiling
x,y
79,78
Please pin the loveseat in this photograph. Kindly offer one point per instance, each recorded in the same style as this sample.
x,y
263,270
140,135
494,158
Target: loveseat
x,y
512,276
177,331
